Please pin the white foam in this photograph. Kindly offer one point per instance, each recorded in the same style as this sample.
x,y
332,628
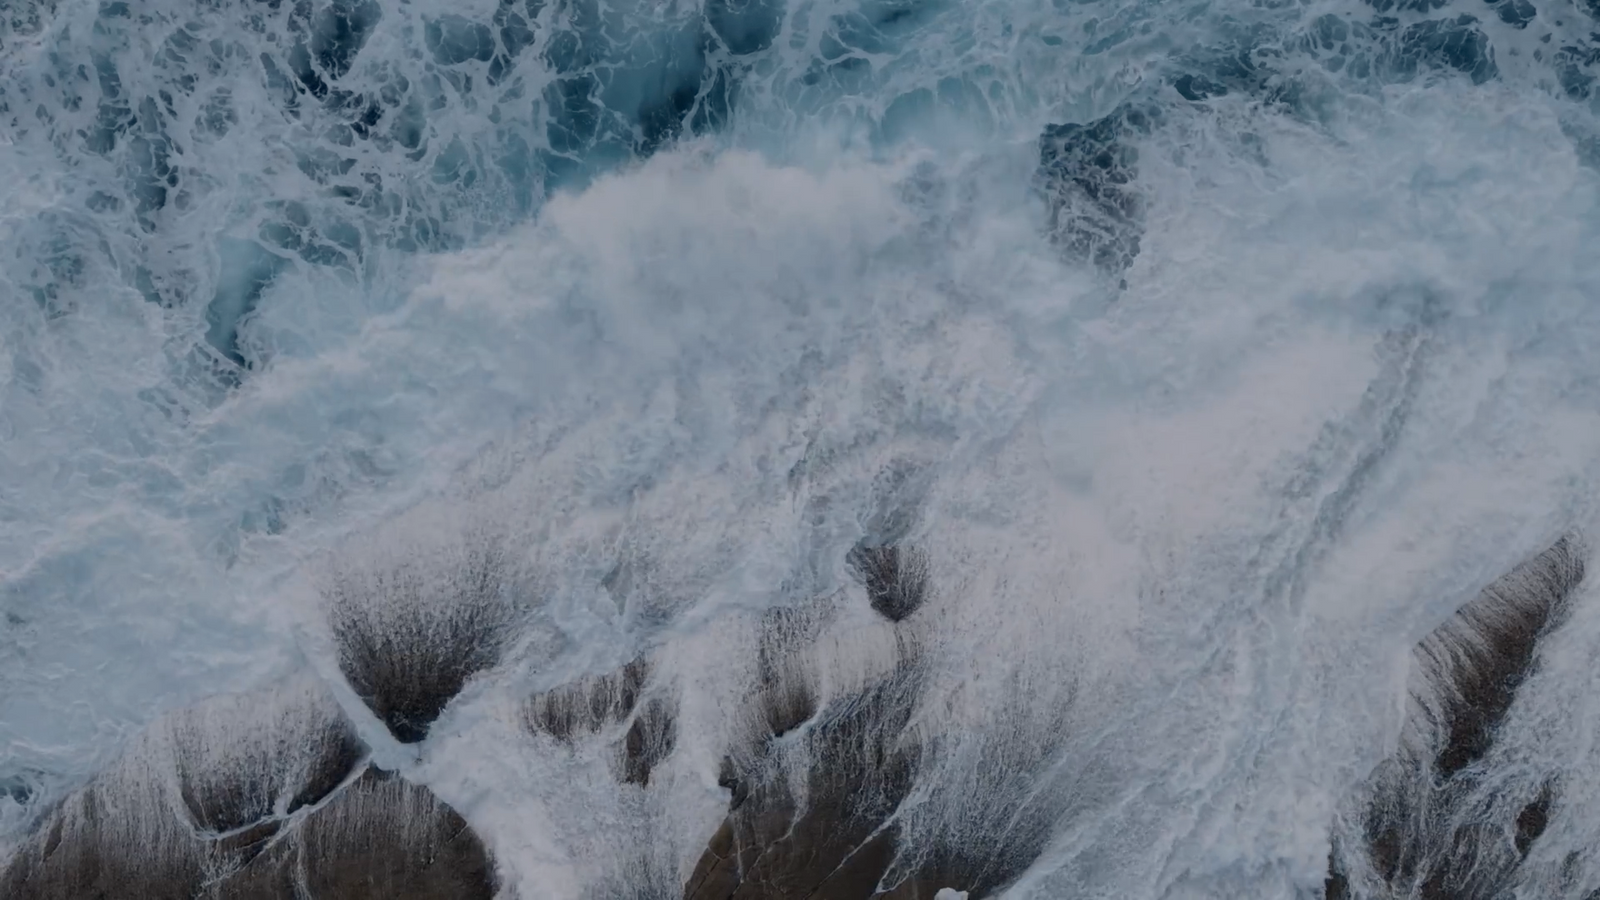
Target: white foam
x,y
1199,520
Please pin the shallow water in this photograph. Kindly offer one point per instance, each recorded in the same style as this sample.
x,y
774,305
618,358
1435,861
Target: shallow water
x,y
1203,413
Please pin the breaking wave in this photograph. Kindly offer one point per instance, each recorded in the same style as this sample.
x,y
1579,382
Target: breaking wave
x,y
799,448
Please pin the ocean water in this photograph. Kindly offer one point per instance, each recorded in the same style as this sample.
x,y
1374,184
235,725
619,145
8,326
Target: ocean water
x,y
1212,354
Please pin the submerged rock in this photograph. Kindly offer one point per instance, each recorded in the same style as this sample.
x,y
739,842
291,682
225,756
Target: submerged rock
x,y
1087,174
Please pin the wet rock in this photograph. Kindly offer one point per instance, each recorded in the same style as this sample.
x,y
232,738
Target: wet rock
x,y
1532,821
1337,885
786,696
786,702
588,704
839,840
112,839
978,868
591,705
202,793
650,740
1465,677
379,837
242,760
1087,174
1472,665
982,843
896,578
816,801
411,634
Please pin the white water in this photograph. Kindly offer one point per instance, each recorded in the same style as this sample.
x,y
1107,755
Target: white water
x,y
1202,519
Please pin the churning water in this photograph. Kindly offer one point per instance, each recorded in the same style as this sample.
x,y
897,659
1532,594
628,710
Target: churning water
x,y
800,448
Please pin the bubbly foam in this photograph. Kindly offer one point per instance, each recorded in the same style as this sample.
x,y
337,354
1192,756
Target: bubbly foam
x,y
683,303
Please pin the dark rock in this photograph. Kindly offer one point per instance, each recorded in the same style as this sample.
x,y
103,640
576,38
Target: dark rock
x,y
239,764
409,639
1002,829
205,791
839,833
112,839
1472,665
785,703
896,579
981,868
379,837
650,740
1532,821
1337,885
589,704
1465,677
840,840
786,696
1087,175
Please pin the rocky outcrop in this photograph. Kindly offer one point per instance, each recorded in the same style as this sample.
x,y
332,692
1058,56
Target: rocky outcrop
x,y
379,837
832,835
818,792
597,704
411,634
258,796
896,578
1465,676
588,704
